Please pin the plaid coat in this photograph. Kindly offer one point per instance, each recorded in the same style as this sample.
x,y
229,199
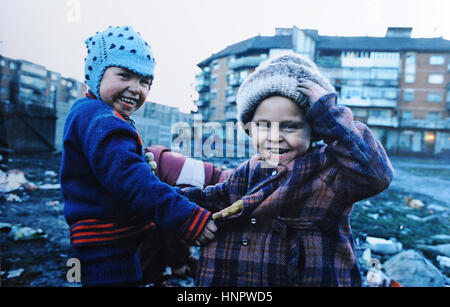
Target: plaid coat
x,y
294,228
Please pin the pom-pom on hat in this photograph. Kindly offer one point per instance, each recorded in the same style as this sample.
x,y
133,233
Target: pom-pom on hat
x,y
116,46
278,76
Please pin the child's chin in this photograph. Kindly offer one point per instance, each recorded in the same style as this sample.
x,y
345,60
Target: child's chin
x,y
273,160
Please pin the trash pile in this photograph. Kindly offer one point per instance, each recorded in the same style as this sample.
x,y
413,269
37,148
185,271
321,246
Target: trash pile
x,y
33,232
404,242
400,237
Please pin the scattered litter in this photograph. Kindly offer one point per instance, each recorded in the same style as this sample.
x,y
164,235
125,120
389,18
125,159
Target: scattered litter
x,y
27,233
11,180
52,203
436,208
49,186
414,203
13,198
441,238
30,186
422,219
5,226
15,273
50,174
383,246
373,215
367,255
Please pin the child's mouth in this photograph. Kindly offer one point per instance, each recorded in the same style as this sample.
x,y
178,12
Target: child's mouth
x,y
128,101
278,151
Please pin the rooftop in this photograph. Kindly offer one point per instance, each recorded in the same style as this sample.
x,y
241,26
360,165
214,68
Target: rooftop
x,y
390,43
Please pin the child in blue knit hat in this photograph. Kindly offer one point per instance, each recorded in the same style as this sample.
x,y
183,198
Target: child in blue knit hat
x,y
111,197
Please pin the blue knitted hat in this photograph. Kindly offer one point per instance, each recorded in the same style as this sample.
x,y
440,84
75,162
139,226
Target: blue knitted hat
x,y
116,46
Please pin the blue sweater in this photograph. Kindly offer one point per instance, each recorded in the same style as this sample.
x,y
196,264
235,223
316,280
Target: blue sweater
x,y
111,198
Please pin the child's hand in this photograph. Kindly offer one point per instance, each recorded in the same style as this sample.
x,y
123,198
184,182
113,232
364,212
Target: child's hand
x,y
312,90
208,233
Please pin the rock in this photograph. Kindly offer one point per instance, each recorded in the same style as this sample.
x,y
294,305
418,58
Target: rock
x,y
443,249
444,263
383,246
411,269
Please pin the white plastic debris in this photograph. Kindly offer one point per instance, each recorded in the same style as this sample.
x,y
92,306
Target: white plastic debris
x,y
26,233
49,186
15,273
13,198
383,246
11,180
50,174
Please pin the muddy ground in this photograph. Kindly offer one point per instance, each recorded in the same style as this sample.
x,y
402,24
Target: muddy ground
x,y
42,261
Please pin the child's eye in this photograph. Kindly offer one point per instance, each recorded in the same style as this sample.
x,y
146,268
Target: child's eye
x,y
146,82
124,75
262,125
291,127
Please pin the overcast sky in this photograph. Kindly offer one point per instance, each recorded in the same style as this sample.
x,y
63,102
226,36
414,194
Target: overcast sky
x,y
184,32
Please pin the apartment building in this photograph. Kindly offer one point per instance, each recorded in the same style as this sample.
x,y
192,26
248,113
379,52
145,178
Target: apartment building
x,y
32,101
397,85
154,122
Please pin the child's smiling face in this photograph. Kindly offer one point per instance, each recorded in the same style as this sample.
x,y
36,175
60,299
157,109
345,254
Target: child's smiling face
x,y
124,90
279,130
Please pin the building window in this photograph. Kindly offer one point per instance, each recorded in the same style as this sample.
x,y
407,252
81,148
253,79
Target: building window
x,y
407,115
437,60
215,65
214,79
433,116
2,63
434,97
408,95
436,78
410,68
410,78
213,94
243,75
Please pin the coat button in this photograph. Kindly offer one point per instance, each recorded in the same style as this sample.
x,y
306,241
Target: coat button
x,y
253,221
245,241
274,173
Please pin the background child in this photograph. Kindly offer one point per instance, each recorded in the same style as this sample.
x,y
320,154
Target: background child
x,y
289,224
111,197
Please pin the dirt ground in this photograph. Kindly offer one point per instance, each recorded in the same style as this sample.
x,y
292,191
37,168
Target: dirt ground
x,y
42,261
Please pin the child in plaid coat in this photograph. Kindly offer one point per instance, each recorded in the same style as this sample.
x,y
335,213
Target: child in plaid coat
x,y
289,225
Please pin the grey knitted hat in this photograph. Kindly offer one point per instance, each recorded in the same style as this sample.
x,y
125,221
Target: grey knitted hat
x,y
278,76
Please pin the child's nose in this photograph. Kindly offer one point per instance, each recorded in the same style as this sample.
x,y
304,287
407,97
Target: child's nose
x,y
133,87
274,134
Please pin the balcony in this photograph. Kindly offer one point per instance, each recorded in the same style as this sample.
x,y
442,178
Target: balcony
x,y
329,62
201,103
425,123
245,62
383,121
202,87
368,102
231,99
231,115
